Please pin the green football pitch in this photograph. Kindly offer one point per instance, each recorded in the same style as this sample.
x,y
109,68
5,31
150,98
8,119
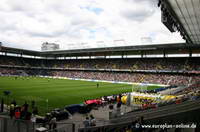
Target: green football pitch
x,y
57,93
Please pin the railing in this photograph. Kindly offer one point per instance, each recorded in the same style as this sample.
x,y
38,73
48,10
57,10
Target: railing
x,y
184,112
60,127
12,125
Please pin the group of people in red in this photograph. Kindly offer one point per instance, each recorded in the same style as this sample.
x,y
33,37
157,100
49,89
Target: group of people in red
x,y
22,112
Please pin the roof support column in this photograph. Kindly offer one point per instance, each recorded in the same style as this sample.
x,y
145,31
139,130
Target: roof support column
x,y
122,55
164,54
142,54
190,53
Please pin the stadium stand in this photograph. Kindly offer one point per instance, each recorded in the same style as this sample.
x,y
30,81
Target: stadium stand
x,y
150,70
167,64
181,74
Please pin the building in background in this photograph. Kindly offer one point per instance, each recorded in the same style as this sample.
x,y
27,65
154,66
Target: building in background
x,y
50,46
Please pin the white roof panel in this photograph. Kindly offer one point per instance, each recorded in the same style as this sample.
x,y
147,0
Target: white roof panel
x,y
188,13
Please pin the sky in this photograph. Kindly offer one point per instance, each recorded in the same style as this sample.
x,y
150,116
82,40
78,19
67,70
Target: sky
x,y
82,23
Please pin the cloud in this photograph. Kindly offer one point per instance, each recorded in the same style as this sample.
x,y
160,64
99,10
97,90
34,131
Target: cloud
x,y
138,10
27,24
96,10
137,15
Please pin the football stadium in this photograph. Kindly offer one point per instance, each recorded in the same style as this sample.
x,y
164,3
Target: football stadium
x,y
134,88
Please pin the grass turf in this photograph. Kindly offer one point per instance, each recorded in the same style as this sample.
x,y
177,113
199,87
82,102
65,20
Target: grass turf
x,y
59,92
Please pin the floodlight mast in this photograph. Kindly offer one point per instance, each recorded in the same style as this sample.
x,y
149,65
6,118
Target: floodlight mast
x,y
100,43
84,45
70,46
121,41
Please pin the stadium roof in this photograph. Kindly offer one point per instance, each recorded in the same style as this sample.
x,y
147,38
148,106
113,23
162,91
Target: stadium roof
x,y
184,16
176,48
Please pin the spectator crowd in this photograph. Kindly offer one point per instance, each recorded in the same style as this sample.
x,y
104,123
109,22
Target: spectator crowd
x,y
48,67
188,64
167,79
131,77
